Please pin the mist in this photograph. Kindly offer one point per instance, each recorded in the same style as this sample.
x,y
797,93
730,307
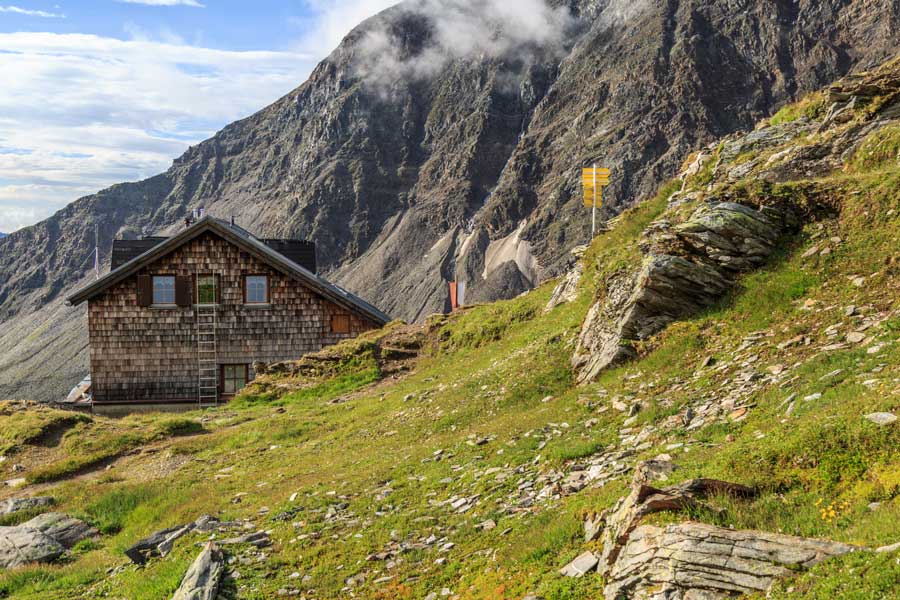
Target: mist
x,y
461,29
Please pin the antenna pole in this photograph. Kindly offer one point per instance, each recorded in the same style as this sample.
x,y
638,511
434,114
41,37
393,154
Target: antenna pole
x,y
594,209
97,250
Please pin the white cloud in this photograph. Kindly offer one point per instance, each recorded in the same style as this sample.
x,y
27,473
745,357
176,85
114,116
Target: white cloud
x,y
85,112
331,20
193,3
463,29
31,13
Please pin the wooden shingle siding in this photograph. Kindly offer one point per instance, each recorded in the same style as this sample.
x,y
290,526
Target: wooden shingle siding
x,y
142,353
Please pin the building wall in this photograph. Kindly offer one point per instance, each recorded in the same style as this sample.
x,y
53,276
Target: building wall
x,y
150,354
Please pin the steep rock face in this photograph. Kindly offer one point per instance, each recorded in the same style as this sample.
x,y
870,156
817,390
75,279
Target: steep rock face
x,y
410,162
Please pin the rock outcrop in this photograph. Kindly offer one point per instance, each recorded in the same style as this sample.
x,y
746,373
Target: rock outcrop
x,y
22,545
621,520
410,161
201,582
697,561
690,560
691,258
687,267
42,539
66,530
161,542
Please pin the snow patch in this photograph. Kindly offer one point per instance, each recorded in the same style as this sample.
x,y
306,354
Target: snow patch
x,y
512,248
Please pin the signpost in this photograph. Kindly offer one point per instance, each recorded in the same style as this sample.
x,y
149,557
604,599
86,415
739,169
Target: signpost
x,y
593,180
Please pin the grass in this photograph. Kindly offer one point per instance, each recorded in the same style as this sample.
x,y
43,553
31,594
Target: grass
x,y
811,107
348,464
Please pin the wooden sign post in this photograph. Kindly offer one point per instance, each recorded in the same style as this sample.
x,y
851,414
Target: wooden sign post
x,y
593,180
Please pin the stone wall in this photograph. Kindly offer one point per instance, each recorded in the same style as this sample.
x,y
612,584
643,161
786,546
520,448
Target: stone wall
x,y
150,354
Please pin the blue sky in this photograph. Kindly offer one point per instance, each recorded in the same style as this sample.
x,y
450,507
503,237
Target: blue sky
x,y
96,92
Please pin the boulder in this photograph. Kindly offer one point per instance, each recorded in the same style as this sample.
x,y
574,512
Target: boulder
x,y
695,560
12,505
22,545
201,582
66,530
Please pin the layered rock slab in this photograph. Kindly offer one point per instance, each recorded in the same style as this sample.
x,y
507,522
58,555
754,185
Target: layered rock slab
x,y
687,268
698,561
201,582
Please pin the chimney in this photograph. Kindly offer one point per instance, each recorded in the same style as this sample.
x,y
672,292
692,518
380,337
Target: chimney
x,y
232,220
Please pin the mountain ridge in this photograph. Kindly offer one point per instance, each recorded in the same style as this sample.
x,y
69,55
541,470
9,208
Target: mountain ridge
x,y
464,171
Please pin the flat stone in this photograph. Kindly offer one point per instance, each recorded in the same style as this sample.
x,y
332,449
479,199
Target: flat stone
x,y
855,337
585,563
882,418
695,560
22,545
13,505
201,582
66,530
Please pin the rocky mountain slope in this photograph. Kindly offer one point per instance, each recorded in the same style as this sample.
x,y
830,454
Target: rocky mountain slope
x,y
746,446
443,140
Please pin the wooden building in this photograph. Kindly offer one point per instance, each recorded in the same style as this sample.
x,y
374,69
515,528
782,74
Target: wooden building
x,y
179,322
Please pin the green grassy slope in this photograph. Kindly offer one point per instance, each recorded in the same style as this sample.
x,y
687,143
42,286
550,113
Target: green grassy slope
x,y
491,412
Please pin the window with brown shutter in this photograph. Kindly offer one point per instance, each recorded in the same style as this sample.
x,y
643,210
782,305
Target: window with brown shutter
x,y
144,290
183,291
340,324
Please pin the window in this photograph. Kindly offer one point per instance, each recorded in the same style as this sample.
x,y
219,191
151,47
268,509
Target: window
x,y
256,289
164,289
206,289
340,324
234,378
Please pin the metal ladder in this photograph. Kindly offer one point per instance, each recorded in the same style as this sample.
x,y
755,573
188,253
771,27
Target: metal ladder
x,y
207,357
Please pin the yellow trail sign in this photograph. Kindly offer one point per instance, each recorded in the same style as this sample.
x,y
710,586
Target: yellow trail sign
x,y
589,198
593,180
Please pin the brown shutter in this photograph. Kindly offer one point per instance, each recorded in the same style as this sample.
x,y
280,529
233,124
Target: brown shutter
x,y
195,291
144,290
183,291
218,289
244,289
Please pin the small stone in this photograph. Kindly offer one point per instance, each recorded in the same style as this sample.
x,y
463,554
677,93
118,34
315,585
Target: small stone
x,y
486,525
738,414
855,337
882,418
585,563
859,281
811,252
812,397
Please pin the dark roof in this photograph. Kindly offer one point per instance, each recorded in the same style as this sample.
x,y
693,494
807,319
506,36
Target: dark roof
x,y
127,250
245,240
300,251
